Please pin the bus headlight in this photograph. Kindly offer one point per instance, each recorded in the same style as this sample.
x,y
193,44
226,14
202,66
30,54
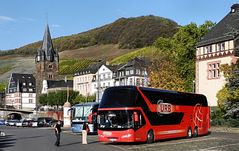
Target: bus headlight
x,y
126,136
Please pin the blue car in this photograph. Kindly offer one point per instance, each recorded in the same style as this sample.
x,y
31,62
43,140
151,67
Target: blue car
x,y
2,122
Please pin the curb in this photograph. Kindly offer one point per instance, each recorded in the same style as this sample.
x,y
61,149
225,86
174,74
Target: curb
x,y
225,129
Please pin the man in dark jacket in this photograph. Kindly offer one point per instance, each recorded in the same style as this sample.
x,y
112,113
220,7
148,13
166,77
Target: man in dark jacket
x,y
57,127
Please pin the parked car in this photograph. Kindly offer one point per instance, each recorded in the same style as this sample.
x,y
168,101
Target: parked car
x,y
19,123
2,122
34,123
45,121
24,123
12,122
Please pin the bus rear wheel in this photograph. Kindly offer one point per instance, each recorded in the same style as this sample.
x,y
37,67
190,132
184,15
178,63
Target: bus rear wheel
x,y
150,137
195,132
189,133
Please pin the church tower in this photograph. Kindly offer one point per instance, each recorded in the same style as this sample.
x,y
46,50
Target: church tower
x,y
47,61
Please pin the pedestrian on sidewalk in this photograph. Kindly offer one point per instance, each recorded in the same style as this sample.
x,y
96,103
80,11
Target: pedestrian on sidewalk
x,y
85,130
57,128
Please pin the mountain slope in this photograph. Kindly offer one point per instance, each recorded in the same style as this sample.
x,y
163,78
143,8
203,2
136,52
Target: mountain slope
x,y
126,32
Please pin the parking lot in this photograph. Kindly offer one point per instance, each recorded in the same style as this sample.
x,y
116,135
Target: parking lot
x,y
216,141
22,138
219,139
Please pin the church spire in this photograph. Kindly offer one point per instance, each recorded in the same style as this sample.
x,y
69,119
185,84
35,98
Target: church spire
x,y
47,45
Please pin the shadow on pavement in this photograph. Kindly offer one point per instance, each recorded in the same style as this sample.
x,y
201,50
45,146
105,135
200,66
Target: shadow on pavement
x,y
7,141
71,144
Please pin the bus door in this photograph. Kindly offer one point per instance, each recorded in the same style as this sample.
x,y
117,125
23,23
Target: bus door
x,y
139,126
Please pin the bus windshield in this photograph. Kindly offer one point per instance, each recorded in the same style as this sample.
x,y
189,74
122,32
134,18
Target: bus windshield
x,y
82,112
120,119
115,119
118,97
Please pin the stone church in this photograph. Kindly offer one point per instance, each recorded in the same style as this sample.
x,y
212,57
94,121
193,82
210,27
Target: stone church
x,y
47,62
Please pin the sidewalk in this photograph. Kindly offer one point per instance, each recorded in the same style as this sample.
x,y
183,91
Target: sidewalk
x,y
225,129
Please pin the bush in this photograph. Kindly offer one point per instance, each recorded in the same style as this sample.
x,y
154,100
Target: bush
x,y
218,118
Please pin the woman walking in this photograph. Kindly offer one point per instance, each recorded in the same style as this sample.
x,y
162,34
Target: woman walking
x,y
57,127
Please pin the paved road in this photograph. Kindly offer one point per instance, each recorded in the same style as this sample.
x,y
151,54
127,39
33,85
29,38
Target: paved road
x,y
37,139
43,139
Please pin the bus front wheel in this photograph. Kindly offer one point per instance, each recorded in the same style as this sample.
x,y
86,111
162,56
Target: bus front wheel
x,y
150,137
195,134
189,133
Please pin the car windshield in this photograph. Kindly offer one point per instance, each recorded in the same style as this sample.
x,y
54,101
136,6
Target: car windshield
x,y
115,119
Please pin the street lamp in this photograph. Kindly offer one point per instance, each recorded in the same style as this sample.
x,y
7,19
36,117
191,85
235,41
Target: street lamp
x,y
193,86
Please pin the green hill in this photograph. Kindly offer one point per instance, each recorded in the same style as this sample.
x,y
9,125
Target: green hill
x,y
127,33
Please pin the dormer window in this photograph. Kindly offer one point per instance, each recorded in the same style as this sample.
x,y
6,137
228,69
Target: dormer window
x,y
234,8
221,46
208,49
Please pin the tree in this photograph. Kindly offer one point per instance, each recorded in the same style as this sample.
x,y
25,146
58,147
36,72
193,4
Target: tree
x,y
81,99
3,86
57,97
228,96
184,42
182,47
163,73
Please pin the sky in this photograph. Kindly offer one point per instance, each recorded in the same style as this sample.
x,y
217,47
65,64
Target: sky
x,y
23,21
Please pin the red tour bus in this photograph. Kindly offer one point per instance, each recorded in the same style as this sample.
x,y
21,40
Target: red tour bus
x,y
139,114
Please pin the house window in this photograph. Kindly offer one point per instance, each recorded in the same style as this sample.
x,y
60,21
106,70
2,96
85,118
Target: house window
x,y
50,76
131,71
30,100
30,84
50,66
213,70
221,46
24,83
130,81
137,82
24,89
138,71
208,49
30,95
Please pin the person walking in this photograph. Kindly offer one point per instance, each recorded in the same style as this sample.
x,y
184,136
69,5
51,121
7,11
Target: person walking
x,y
85,130
57,128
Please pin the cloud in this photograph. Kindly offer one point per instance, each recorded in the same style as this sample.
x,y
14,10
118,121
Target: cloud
x,y
6,18
55,26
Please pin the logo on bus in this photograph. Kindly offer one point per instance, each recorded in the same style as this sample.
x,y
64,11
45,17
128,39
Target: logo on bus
x,y
164,108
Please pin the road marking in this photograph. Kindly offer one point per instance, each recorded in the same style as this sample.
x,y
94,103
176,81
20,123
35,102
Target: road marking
x,y
173,143
222,146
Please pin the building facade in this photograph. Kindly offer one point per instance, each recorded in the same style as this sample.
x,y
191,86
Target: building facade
x,y
216,48
96,78
82,80
21,92
132,73
54,86
102,80
47,61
